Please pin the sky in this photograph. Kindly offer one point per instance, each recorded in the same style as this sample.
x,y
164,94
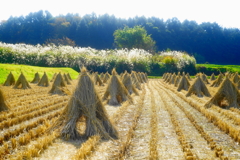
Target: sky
x,y
224,12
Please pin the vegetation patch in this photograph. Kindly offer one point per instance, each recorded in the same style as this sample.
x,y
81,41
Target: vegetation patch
x,y
29,71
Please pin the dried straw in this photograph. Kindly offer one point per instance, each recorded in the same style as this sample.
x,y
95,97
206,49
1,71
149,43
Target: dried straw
x,y
69,77
44,81
58,85
53,78
135,80
143,77
204,78
85,102
96,79
218,81
36,78
212,78
10,80
177,80
121,74
183,84
106,77
22,83
166,76
3,104
66,79
227,93
127,82
198,88
139,77
146,76
235,78
116,91
169,78
102,76
238,84
172,80
188,77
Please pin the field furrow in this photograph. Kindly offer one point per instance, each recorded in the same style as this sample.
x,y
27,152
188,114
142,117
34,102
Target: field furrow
x,y
168,145
139,145
229,147
125,121
194,139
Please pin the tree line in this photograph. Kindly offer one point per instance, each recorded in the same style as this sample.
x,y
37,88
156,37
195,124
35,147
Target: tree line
x,y
208,42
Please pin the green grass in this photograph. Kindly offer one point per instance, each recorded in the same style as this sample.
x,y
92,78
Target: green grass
x,y
155,77
231,68
29,71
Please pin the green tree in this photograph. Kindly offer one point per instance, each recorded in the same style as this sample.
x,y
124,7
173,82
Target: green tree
x,y
135,37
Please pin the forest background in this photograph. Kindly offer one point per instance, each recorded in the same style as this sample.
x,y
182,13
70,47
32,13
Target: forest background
x,y
207,42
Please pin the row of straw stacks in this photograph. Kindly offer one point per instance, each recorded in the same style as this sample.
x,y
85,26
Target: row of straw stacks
x,y
59,85
86,104
22,83
227,91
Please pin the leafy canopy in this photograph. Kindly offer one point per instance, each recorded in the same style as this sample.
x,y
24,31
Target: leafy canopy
x,y
135,37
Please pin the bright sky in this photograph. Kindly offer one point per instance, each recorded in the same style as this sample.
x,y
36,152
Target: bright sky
x,y
224,12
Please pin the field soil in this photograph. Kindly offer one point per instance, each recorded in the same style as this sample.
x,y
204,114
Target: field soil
x,y
161,123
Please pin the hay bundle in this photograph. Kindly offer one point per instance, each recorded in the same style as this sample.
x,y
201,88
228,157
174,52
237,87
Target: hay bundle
x,y
235,78
177,80
227,96
139,77
58,85
164,75
106,77
212,78
146,76
36,78
44,81
135,80
204,78
172,80
53,78
116,91
96,79
168,78
238,84
86,103
66,79
69,77
188,77
3,104
102,76
143,77
121,74
183,84
227,74
218,81
22,83
10,80
127,82
198,88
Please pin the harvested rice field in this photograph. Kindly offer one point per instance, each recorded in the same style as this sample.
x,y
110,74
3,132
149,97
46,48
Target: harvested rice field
x,y
156,122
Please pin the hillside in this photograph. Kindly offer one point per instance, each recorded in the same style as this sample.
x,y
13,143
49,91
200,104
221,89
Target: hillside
x,y
29,71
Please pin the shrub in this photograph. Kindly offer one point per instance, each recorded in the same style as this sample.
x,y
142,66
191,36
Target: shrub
x,y
97,60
